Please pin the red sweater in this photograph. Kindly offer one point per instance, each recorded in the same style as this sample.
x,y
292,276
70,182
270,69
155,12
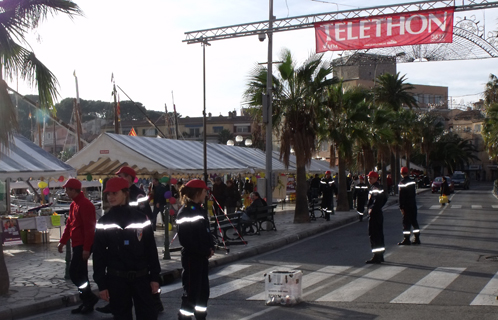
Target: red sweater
x,y
80,225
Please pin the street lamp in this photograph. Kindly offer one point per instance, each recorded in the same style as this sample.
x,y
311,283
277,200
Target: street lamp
x,y
230,143
239,139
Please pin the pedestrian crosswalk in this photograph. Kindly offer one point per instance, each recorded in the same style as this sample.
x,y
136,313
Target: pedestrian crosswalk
x,y
457,206
350,284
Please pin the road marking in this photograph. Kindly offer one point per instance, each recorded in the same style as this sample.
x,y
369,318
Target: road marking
x,y
435,207
476,206
359,287
495,206
419,206
456,206
311,279
222,273
244,282
424,291
487,296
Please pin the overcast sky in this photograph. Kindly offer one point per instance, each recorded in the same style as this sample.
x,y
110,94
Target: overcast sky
x,y
141,43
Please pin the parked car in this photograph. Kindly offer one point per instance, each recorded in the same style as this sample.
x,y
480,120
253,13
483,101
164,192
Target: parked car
x,y
436,184
460,180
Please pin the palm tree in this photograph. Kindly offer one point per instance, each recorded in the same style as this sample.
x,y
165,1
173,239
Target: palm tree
x,y
393,92
296,113
17,18
428,130
345,119
490,130
491,91
453,152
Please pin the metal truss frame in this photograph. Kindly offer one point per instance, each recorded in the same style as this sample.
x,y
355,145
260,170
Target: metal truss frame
x,y
308,21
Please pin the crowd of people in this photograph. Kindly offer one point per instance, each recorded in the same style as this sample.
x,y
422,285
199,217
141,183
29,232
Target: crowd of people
x,y
126,266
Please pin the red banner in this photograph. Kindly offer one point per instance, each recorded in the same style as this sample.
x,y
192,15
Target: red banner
x,y
431,26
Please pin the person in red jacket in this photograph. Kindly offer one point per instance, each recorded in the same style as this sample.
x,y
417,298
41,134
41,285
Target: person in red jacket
x,y
80,228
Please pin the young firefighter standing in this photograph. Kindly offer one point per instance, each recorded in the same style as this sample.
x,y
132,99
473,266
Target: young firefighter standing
x,y
408,207
361,197
198,247
80,228
376,200
125,260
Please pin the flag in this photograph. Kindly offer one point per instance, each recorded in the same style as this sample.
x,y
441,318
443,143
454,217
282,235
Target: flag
x,y
132,133
118,110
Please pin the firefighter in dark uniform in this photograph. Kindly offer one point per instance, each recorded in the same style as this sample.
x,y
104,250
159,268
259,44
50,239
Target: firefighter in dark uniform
x,y
139,200
376,200
136,193
361,197
198,246
327,189
125,260
408,207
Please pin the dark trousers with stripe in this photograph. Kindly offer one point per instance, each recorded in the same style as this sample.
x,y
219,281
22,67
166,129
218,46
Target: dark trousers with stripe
x,y
410,220
376,230
126,293
195,283
78,271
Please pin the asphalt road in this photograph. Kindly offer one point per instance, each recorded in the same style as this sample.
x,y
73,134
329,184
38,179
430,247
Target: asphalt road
x,y
452,275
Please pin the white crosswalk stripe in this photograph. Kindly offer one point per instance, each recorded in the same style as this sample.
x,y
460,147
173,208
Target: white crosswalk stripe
x,y
246,281
435,207
360,286
487,296
456,206
495,206
312,278
476,206
424,291
222,273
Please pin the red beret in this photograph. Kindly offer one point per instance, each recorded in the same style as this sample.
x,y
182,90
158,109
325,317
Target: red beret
x,y
116,184
327,172
373,174
404,170
361,177
72,184
196,183
129,171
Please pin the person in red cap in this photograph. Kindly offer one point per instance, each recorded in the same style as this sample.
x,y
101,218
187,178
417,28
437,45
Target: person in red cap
x,y
80,228
125,260
198,246
408,207
328,188
360,196
376,200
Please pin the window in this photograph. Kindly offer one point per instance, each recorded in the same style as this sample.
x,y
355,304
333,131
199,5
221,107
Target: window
x,y
324,146
195,132
477,128
243,129
217,129
438,99
150,132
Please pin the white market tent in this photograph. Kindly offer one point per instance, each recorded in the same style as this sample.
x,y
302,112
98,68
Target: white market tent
x,y
316,166
25,160
148,156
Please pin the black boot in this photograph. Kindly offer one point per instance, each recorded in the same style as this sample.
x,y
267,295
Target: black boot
x,y
406,241
157,302
77,310
376,259
104,309
417,238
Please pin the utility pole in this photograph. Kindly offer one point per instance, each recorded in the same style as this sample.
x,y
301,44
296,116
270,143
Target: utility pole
x,y
269,111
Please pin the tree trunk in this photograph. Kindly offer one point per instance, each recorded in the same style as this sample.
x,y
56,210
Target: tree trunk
x,y
4,274
342,197
301,214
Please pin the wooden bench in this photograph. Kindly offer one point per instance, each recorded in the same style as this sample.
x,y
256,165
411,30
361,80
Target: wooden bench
x,y
227,226
315,205
262,215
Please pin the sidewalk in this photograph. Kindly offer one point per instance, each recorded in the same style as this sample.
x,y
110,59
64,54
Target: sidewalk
x,y
37,271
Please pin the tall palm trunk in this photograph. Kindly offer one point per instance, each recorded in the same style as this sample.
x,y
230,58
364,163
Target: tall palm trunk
x,y
342,196
301,214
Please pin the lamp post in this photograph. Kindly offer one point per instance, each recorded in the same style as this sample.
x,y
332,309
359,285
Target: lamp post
x,y
269,113
204,134
238,141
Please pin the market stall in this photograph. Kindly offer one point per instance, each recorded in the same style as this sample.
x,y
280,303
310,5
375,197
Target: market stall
x,y
25,161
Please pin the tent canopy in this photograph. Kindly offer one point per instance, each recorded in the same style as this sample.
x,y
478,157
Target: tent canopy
x,y
412,166
149,156
24,160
